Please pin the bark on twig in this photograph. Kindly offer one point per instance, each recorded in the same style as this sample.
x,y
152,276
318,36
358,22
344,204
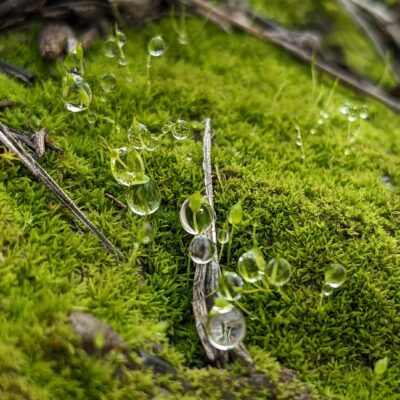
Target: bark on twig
x,y
7,140
206,276
303,54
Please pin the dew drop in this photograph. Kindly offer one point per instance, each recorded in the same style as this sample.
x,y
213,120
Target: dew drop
x,y
223,236
327,290
198,222
201,249
145,198
120,38
127,167
145,234
76,93
313,131
74,63
108,82
180,129
251,265
364,112
189,157
92,117
278,271
335,275
122,61
226,328
138,134
230,286
111,48
299,143
156,46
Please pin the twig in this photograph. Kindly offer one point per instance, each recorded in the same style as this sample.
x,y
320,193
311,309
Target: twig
x,y
6,103
17,72
372,32
6,138
117,202
206,276
305,55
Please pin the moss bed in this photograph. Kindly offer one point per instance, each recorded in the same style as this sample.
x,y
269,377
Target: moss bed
x,y
329,207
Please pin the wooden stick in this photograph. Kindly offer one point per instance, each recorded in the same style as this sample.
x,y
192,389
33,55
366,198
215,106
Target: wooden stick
x,y
7,139
206,276
305,55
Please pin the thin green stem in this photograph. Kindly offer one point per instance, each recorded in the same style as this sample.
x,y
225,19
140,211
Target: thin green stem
x,y
230,244
148,67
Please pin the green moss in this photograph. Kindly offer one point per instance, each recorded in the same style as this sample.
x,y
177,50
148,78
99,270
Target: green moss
x,y
330,207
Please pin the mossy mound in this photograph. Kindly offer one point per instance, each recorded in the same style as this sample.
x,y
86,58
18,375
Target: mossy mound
x,y
314,204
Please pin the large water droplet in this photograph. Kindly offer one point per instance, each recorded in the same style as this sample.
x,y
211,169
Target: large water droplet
x,y
335,275
230,286
223,236
122,61
144,199
76,93
156,46
180,129
111,48
201,249
127,167
251,266
226,328
198,222
138,135
278,271
108,82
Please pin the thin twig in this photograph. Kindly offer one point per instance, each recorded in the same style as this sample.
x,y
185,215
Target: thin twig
x,y
17,72
7,139
206,276
6,104
302,54
117,202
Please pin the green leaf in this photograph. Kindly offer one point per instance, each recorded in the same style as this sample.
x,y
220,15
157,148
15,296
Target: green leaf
x,y
195,202
79,50
381,366
235,215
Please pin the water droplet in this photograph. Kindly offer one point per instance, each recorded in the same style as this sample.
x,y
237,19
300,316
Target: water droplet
x,y
92,117
167,128
226,328
127,166
76,93
189,157
313,131
74,63
345,108
352,117
145,234
299,143
198,222
111,48
180,129
144,199
182,38
278,271
138,134
364,112
335,275
120,38
223,236
230,286
324,115
201,249
347,151
251,266
156,46
122,61
108,82
327,290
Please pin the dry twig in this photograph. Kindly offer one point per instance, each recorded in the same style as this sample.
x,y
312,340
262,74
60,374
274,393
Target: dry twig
x,y
303,54
206,276
7,139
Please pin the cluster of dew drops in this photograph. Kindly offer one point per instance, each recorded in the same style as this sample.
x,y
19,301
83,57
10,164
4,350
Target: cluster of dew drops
x,y
226,326
127,166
